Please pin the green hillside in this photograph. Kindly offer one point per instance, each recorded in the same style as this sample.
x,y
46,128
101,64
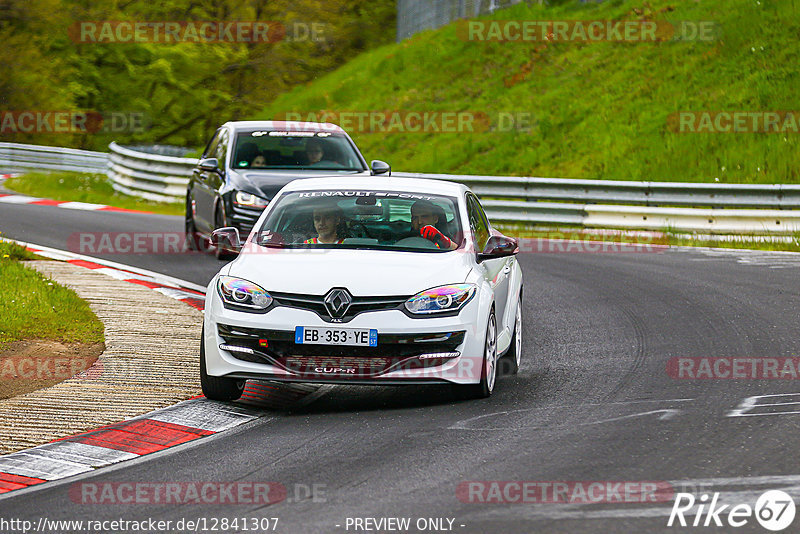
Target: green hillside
x,y
601,109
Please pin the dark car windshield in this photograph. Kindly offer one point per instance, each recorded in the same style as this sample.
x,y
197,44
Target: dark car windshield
x,y
359,219
266,149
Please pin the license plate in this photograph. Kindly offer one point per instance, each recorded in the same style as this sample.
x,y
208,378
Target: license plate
x,y
310,335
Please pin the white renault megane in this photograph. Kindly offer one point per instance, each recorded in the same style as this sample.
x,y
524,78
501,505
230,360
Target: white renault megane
x,y
360,280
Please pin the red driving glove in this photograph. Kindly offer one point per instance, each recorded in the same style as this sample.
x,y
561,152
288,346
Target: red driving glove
x,y
432,234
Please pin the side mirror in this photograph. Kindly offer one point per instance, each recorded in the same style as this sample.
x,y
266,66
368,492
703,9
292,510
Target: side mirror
x,y
380,167
226,240
499,246
209,165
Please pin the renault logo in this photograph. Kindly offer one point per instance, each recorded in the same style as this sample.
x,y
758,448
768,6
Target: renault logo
x,y
337,301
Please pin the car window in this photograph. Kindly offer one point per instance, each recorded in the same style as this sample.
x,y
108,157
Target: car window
x,y
264,149
221,150
359,219
211,148
478,222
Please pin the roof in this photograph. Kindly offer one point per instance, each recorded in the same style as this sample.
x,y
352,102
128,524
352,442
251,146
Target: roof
x,y
380,183
286,125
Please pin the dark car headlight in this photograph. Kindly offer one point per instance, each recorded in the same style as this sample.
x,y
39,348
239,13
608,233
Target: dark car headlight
x,y
243,293
251,201
442,299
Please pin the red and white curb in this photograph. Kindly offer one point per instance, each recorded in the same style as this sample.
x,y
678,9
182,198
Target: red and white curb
x,y
192,294
86,206
149,433
152,432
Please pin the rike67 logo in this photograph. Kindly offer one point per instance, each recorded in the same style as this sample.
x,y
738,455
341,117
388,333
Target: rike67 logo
x,y
774,510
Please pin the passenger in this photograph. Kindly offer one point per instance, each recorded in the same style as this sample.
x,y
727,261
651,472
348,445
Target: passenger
x,y
259,161
429,221
330,225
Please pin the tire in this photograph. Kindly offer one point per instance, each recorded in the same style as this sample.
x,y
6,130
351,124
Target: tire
x,y
216,387
219,222
514,354
484,388
190,229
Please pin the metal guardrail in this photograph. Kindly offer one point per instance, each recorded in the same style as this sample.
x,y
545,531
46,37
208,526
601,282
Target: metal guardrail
x,y
777,196
685,207
149,176
688,207
414,16
16,157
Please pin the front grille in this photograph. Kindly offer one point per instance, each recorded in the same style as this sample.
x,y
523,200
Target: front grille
x,y
244,218
394,351
316,304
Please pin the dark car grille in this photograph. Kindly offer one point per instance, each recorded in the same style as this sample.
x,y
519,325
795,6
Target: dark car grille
x,y
358,305
244,218
394,351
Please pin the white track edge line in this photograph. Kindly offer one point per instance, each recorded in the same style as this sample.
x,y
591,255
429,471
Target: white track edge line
x,y
121,266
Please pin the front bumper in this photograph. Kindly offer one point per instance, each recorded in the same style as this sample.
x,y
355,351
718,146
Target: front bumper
x,y
409,350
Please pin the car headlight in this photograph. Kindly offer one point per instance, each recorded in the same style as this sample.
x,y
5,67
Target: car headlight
x,y
441,299
239,292
252,201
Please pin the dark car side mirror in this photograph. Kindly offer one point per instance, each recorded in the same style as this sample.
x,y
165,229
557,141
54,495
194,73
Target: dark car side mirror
x,y
226,239
499,246
209,164
380,167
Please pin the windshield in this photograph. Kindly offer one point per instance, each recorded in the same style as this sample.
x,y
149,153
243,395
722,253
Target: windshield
x,y
264,149
387,220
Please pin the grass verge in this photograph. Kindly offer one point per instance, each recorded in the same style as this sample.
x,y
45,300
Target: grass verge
x,y
738,242
37,308
665,238
78,187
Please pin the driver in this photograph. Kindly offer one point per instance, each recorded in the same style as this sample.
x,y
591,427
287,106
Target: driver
x,y
329,224
427,219
314,151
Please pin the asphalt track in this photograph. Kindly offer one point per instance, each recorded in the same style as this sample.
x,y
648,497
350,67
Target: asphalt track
x,y
593,402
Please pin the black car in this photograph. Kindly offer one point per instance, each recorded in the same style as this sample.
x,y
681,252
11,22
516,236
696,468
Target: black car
x,y
245,163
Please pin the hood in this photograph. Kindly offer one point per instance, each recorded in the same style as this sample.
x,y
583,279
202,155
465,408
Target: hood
x,y
363,272
268,182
